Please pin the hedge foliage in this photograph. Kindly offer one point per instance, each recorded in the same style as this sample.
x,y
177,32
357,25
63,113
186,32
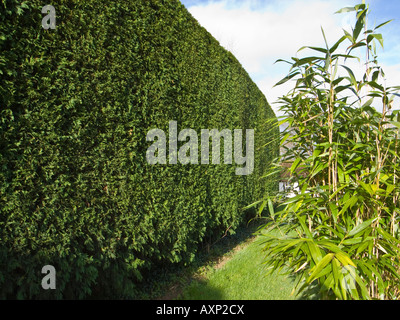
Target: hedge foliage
x,y
76,104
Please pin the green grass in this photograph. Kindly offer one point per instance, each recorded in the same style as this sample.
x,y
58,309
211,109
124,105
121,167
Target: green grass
x,y
228,269
241,277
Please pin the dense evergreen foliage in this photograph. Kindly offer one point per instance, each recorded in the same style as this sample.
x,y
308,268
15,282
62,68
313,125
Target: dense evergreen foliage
x,y
76,104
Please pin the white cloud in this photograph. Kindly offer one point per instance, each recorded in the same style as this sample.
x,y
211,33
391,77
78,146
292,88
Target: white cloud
x,y
275,30
255,36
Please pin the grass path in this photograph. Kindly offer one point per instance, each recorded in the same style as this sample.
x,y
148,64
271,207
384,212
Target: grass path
x,y
239,275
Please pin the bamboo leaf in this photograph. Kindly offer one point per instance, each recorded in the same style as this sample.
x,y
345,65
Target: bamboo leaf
x,y
376,86
361,227
323,34
351,74
378,37
306,60
315,251
352,241
366,187
287,78
260,210
345,259
335,270
359,24
316,270
363,287
314,48
252,205
334,210
368,103
336,45
281,60
349,203
271,208
383,24
395,123
295,165
389,189
345,10
355,46
318,169
304,227
348,36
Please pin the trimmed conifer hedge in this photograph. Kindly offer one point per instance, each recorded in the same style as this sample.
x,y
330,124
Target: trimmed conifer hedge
x,y
76,104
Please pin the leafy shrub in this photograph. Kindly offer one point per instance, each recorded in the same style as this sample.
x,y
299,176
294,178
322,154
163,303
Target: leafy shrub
x,y
77,102
341,230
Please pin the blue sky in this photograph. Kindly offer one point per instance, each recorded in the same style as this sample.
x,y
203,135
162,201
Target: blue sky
x,y
258,32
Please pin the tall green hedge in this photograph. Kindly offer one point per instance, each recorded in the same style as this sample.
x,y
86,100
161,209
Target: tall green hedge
x,y
76,104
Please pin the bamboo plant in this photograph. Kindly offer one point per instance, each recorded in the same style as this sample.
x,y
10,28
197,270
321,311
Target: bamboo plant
x,y
341,229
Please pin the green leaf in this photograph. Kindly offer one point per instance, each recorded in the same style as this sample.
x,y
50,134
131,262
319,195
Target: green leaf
x,y
376,85
323,34
335,270
367,187
318,169
352,241
314,48
378,37
252,205
352,76
359,24
309,60
361,227
375,76
383,24
334,210
316,270
368,103
281,60
389,189
345,10
295,165
395,123
363,287
315,251
287,78
349,203
356,45
271,208
344,259
263,204
336,45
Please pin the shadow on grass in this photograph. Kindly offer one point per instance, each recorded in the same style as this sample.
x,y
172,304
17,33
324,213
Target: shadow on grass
x,y
310,293
202,290
243,277
170,282
167,281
